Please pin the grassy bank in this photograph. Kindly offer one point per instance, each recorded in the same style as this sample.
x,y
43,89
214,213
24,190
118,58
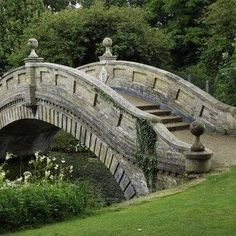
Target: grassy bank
x,y
205,209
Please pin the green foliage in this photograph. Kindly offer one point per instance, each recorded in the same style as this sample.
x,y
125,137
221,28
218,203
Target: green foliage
x,y
145,153
43,195
221,22
15,15
73,37
109,3
198,74
65,142
226,80
181,20
207,208
37,203
58,5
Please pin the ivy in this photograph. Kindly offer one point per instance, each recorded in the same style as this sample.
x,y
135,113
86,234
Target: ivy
x,y
145,152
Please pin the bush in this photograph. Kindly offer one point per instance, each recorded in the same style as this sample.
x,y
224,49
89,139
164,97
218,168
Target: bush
x,y
43,194
37,203
65,142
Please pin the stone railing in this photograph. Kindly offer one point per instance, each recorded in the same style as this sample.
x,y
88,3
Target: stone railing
x,y
163,87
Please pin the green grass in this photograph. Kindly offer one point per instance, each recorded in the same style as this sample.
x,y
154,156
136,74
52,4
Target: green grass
x,y
208,208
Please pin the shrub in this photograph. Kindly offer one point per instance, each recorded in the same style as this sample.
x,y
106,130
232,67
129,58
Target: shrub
x,y
65,142
37,203
43,194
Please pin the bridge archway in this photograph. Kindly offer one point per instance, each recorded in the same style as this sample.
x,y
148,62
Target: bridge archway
x,y
43,124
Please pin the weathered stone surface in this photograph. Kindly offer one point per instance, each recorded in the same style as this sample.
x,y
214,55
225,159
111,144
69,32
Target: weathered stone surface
x,y
119,173
124,182
130,192
161,86
114,165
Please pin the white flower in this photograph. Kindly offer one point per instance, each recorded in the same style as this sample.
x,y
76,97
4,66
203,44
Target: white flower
x,y
54,158
27,175
47,173
19,180
9,156
63,161
71,169
42,158
48,160
56,166
2,174
51,177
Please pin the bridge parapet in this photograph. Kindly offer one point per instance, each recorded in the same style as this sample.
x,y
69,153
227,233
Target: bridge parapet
x,y
161,86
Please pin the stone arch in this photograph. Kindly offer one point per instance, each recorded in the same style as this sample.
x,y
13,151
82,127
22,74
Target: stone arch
x,y
124,172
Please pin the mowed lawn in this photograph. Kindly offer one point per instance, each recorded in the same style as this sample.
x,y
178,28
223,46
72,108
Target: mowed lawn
x,y
207,208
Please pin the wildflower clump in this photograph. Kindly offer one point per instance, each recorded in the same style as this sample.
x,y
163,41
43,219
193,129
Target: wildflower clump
x,y
42,194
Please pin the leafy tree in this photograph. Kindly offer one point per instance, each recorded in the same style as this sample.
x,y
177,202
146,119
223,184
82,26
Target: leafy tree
x,y
15,15
58,5
221,22
73,37
226,79
108,3
181,19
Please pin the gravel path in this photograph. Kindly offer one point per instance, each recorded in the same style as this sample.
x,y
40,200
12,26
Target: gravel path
x,y
223,146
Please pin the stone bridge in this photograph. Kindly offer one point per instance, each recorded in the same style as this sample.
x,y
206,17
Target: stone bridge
x,y
38,99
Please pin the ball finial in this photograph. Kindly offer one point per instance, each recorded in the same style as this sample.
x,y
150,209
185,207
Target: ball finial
x,y
33,44
107,55
197,128
107,42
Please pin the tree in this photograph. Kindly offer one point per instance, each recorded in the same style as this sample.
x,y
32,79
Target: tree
x,y
58,5
109,3
226,79
73,37
15,15
220,20
181,19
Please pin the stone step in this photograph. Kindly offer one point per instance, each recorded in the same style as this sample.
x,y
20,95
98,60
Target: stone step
x,y
159,112
171,119
147,107
177,126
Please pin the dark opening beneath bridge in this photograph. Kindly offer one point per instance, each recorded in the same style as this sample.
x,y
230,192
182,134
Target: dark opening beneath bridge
x,y
25,137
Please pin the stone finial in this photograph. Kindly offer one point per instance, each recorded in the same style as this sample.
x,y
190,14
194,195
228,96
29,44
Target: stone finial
x,y
107,43
198,160
33,45
197,128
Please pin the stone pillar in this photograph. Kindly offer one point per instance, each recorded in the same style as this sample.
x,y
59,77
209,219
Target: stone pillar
x,y
106,71
198,160
107,56
30,73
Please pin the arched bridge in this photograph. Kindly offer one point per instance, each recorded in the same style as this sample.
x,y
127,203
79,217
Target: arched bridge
x,y
38,99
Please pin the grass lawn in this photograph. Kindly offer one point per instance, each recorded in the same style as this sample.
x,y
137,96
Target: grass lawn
x,y
208,208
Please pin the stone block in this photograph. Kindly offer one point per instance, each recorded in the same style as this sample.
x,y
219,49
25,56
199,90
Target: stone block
x,y
130,192
103,152
124,182
98,147
118,173
113,165
109,157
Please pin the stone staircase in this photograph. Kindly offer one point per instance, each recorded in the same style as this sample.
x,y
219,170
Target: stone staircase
x,y
171,121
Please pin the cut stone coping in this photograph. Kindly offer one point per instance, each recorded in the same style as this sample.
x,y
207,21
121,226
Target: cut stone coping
x,y
194,89
93,82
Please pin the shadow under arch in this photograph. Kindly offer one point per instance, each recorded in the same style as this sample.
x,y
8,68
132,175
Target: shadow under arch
x,y
26,133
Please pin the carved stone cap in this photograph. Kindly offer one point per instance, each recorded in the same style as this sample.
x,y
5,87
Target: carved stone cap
x,y
33,45
197,128
107,43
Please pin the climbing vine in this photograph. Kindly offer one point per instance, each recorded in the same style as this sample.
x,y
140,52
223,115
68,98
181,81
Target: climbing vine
x,y
145,152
